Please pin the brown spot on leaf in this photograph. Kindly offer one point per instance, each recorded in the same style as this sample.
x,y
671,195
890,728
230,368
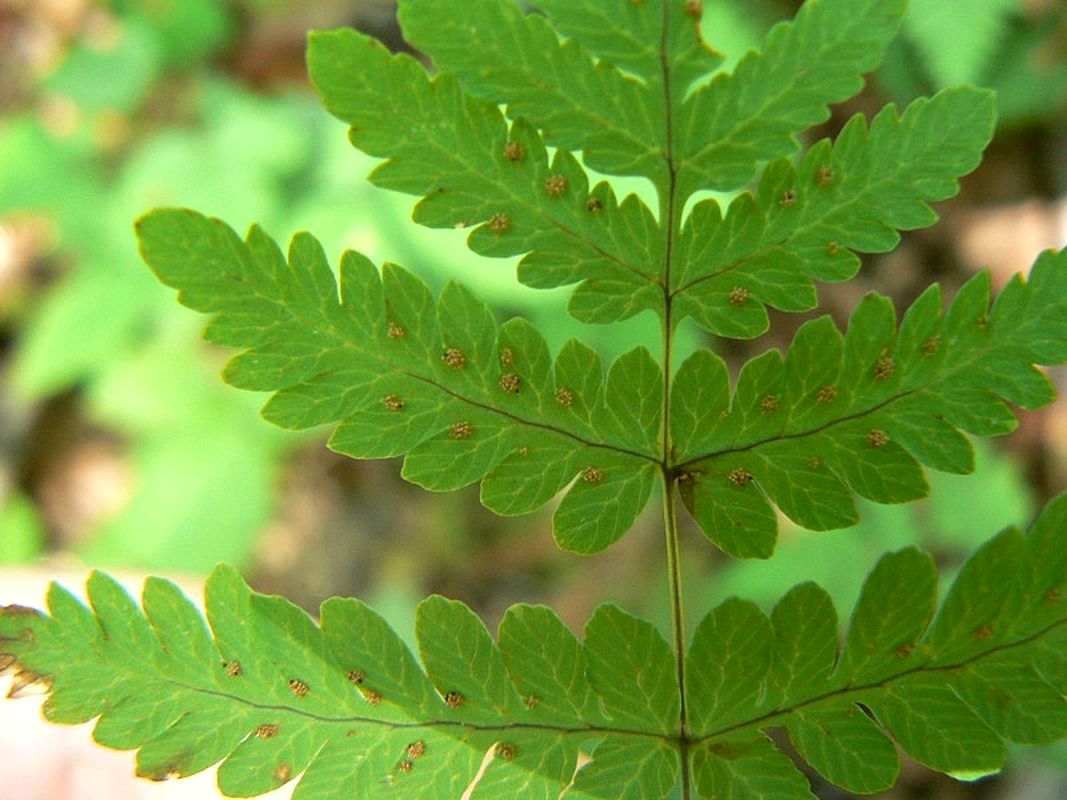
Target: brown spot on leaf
x,y
454,358
905,650
789,198
298,687
738,296
499,223
825,175
769,404
877,438
983,632
740,476
394,403
356,676
506,751
514,151
454,699
510,383
416,749
267,731
884,368
827,394
556,185
461,430
394,331
564,397
592,474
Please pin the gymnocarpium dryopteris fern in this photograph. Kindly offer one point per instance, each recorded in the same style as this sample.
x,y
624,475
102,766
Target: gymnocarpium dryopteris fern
x,y
628,85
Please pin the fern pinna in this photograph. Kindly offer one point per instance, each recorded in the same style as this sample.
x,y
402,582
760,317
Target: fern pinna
x,y
491,142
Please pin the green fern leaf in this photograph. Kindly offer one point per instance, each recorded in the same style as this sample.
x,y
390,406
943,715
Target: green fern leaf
x,y
463,398
805,222
344,706
858,413
987,669
273,695
458,153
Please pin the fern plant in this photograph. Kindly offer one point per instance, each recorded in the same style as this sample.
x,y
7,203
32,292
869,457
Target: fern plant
x,y
491,142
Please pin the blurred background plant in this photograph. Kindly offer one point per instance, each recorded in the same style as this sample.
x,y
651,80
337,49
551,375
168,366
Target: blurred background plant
x,y
121,448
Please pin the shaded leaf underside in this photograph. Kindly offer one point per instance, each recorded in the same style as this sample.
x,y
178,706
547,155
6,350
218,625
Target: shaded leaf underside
x,y
447,141
344,706
465,399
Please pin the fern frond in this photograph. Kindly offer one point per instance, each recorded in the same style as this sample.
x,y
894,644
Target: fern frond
x,y
458,153
463,398
346,707
806,221
857,413
751,115
273,695
988,668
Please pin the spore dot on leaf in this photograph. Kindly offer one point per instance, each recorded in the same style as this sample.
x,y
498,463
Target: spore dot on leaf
x,y
769,404
531,701
814,462
372,697
738,296
931,345
877,438
356,676
827,394
564,396
395,331
506,751
510,383
233,668
454,358
268,730
884,367
404,766
394,403
454,699
556,185
833,249
594,205
825,175
789,198
499,223
416,749
740,476
283,773
462,430
298,687
905,650
514,151
507,356
592,475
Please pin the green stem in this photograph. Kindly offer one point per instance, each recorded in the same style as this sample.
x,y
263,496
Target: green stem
x,y
674,579
670,214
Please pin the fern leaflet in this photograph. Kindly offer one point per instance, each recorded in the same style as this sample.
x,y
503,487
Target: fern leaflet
x,y
347,707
